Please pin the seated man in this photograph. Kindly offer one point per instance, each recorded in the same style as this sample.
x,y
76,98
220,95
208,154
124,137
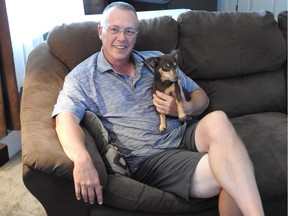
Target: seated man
x,y
192,160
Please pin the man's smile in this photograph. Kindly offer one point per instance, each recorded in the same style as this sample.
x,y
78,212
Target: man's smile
x,y
120,46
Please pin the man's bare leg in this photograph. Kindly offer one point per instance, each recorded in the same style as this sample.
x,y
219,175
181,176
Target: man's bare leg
x,y
205,185
229,163
227,205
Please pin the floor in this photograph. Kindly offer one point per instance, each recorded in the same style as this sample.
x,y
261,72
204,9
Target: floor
x,y
15,199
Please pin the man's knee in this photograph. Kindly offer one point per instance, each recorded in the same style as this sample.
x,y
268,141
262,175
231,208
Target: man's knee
x,y
218,117
218,121
214,128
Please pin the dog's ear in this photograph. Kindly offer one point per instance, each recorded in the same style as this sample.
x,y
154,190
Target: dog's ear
x,y
175,54
152,61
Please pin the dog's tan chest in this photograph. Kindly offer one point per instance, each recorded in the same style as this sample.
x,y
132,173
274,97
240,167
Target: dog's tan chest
x,y
170,90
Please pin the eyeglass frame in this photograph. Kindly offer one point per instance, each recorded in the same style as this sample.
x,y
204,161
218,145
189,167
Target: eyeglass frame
x,y
118,30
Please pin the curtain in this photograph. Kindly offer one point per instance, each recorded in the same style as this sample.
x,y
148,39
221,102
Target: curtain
x,y
29,20
9,100
22,26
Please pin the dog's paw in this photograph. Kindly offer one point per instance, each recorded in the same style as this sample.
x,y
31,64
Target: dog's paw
x,y
182,117
162,127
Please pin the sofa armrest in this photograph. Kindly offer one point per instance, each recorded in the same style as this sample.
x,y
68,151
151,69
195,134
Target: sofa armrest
x,y
47,171
41,150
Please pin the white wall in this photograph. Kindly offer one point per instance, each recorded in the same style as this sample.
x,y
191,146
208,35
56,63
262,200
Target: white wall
x,y
30,19
274,6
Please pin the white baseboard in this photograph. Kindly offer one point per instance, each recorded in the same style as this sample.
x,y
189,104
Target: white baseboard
x,y
13,142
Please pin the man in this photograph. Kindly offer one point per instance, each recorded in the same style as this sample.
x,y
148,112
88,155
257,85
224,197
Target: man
x,y
198,160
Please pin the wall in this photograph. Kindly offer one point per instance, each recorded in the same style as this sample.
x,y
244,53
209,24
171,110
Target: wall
x,y
274,6
210,5
30,19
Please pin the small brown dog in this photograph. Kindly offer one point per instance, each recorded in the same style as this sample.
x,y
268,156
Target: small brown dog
x,y
166,81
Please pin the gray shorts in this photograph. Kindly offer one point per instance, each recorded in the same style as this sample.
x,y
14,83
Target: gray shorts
x,y
172,169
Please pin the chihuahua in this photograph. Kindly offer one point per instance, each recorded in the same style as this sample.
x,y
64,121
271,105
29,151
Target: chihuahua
x,y
166,80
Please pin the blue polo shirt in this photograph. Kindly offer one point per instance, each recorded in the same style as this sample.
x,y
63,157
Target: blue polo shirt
x,y
123,104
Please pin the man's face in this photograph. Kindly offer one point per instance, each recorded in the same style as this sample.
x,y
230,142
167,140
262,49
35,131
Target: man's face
x,y
118,46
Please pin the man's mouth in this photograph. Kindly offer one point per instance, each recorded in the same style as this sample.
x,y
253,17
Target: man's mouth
x,y
120,46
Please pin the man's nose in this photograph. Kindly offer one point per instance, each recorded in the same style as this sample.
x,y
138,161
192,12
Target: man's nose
x,y
121,35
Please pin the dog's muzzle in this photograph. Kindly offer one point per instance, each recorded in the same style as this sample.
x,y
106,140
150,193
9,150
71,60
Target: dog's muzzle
x,y
173,79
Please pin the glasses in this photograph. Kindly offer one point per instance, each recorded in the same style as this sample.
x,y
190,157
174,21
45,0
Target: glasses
x,y
130,32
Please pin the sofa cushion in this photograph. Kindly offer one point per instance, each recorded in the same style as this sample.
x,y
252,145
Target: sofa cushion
x,y
73,43
113,159
160,33
255,93
97,130
222,44
265,137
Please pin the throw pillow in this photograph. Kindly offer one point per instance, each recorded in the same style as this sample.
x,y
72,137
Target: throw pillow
x,y
113,159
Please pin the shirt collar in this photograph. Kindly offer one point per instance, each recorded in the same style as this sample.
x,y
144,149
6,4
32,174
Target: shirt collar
x,y
104,66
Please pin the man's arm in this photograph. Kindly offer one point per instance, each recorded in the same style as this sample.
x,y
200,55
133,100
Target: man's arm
x,y
85,175
197,104
166,104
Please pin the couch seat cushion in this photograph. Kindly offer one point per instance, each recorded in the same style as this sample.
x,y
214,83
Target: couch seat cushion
x,y
265,137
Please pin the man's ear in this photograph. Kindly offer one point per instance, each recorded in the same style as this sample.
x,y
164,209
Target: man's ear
x,y
152,61
100,31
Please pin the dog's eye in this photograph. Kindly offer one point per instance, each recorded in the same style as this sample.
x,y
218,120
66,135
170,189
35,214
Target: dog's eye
x,y
166,67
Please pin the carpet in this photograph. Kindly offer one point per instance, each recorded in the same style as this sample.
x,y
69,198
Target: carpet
x,y
15,199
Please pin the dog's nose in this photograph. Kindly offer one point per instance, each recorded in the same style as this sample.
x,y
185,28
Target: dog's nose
x,y
173,78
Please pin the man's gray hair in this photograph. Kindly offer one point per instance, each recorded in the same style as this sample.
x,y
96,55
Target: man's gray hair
x,y
120,5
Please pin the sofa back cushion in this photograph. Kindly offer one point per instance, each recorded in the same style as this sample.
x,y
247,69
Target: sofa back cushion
x,y
160,33
221,45
75,42
237,58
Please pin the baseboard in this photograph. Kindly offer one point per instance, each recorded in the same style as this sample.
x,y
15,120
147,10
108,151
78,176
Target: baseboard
x,y
13,142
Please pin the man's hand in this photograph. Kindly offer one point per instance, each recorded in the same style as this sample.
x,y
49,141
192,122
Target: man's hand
x,y
86,180
72,139
165,104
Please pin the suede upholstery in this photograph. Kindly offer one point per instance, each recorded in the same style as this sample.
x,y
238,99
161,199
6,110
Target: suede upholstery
x,y
239,59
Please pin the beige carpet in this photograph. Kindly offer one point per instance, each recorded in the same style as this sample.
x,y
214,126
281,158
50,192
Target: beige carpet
x,y
15,199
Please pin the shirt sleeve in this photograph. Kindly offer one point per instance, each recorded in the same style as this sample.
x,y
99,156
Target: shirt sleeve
x,y
186,82
71,98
